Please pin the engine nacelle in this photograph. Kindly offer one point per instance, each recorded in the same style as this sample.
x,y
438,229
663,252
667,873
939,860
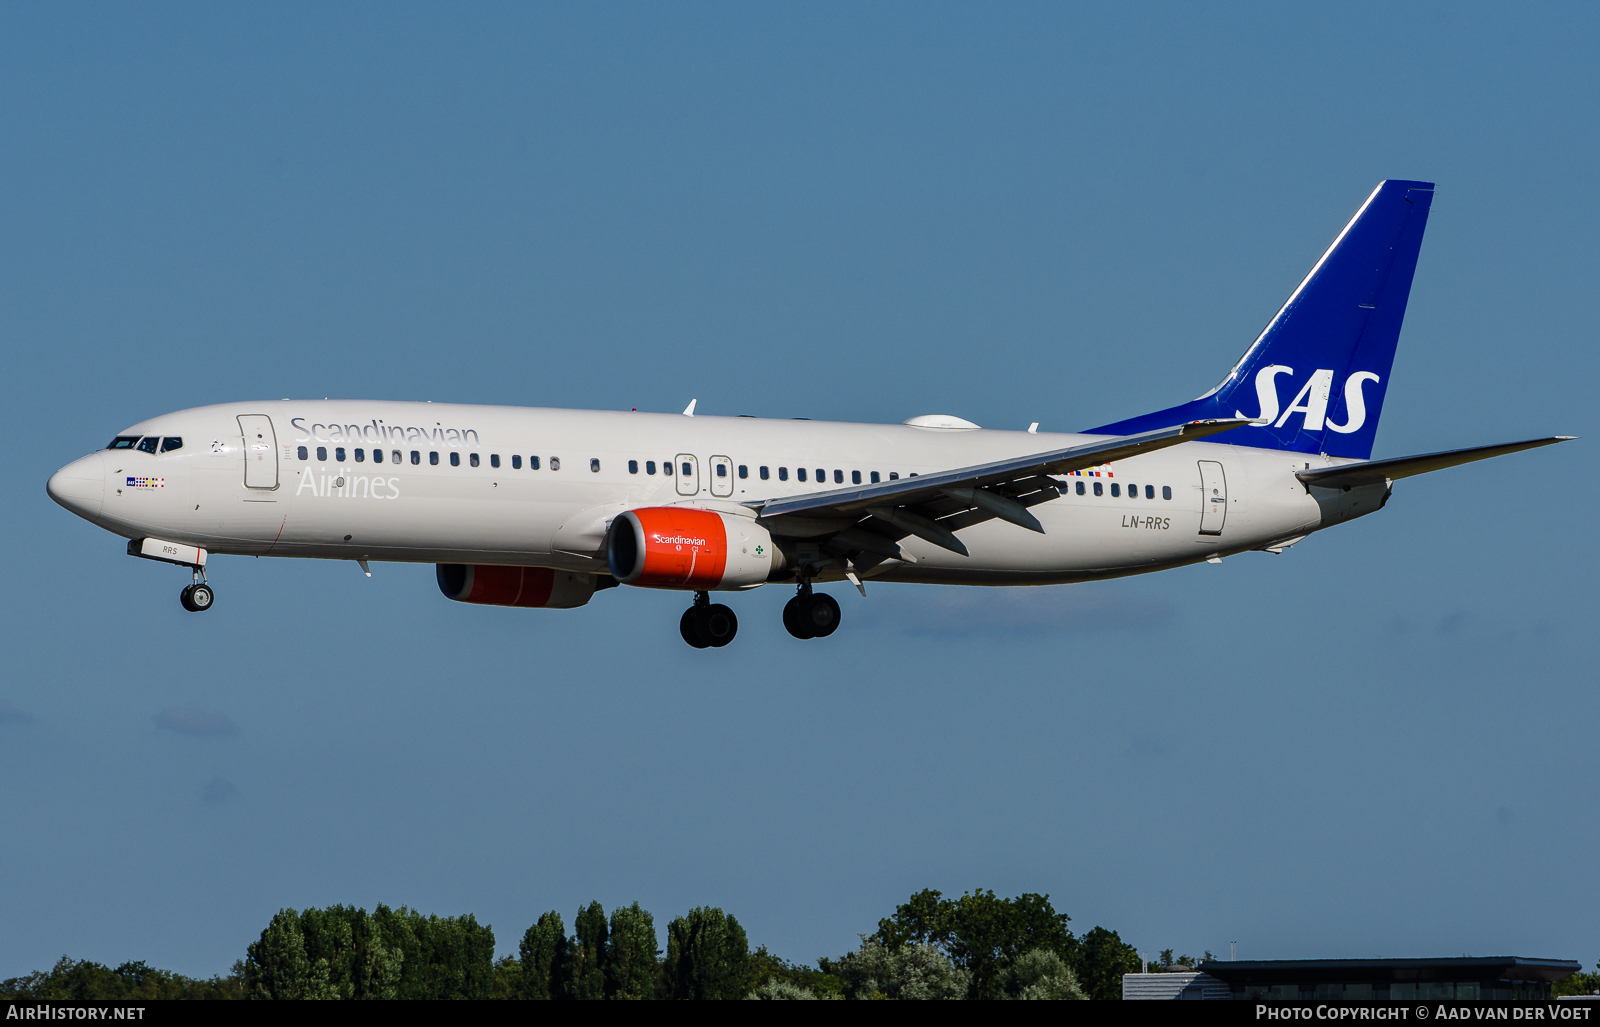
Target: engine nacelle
x,y
695,550
493,585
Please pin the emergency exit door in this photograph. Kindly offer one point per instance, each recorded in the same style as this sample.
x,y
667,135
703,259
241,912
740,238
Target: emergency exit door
x,y
260,451
721,476
1214,498
687,467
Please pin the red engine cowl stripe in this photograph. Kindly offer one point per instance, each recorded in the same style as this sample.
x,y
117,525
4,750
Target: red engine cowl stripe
x,y
511,586
683,548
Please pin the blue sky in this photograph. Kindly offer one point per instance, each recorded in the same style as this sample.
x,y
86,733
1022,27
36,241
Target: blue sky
x,y
1380,743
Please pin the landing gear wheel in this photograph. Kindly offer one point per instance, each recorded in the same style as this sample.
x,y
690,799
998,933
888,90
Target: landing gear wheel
x,y
197,598
715,624
821,614
794,621
688,629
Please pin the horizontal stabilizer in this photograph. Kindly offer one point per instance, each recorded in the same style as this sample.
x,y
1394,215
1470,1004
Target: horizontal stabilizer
x,y
1375,472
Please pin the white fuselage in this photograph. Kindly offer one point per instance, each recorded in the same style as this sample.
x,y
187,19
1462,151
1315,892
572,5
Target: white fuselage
x,y
340,502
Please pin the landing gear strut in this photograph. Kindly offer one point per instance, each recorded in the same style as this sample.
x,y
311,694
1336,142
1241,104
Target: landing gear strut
x,y
707,624
198,597
811,614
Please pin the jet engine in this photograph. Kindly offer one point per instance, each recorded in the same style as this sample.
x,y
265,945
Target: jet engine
x,y
695,550
493,585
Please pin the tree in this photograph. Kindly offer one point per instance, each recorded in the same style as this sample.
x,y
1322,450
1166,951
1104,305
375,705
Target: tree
x,y
631,951
1041,975
275,965
1102,959
587,979
1578,984
544,958
707,956
916,971
981,932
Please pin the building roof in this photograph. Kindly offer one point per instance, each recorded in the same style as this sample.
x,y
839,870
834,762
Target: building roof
x,y
1463,968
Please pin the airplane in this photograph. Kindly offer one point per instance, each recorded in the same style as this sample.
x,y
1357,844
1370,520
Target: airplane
x,y
543,508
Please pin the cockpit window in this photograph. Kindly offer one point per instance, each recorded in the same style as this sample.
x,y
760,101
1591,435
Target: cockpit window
x,y
148,444
170,443
123,442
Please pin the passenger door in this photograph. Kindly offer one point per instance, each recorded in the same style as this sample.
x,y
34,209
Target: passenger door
x,y
687,469
721,476
1213,499
260,451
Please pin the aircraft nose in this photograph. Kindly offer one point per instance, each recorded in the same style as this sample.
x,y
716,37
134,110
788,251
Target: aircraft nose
x,y
81,485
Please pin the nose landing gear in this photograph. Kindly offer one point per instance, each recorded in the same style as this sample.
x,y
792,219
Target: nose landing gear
x,y
811,614
198,597
707,624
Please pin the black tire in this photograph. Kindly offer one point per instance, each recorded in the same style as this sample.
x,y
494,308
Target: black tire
x,y
822,615
716,624
794,621
201,597
689,631
183,598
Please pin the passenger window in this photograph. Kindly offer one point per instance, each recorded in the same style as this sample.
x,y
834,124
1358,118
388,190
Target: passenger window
x,y
764,472
472,458
533,463
416,457
516,461
744,472
322,454
783,474
874,477
377,456
894,475
338,454
1166,492
433,457
1133,492
149,443
494,459
1149,492
301,453
855,477
687,468
649,467
128,441
1116,490
799,474
594,464
455,459
633,467
555,463
1098,490
395,456
170,443
361,455
722,470
1080,488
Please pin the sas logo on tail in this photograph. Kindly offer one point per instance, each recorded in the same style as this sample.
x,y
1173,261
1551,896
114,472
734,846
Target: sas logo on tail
x,y
1311,400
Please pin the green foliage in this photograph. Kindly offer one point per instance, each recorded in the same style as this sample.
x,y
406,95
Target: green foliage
x,y
73,980
343,953
782,991
1578,984
587,979
708,956
630,967
1041,975
915,971
507,979
764,967
980,932
1102,959
544,958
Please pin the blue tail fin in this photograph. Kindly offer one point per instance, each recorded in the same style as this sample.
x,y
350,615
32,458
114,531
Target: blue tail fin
x,y
1331,346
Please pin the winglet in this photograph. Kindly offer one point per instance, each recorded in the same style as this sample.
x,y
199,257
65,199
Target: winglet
x,y
688,411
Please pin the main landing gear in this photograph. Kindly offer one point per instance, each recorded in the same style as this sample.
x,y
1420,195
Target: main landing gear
x,y
198,597
707,624
811,614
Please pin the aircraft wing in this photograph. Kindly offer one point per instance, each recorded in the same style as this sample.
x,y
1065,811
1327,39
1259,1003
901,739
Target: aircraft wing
x,y
869,520
1373,472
